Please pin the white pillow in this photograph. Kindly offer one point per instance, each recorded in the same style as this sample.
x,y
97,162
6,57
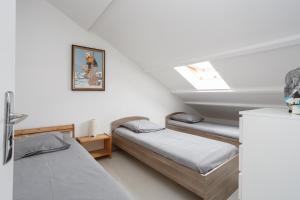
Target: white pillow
x,y
188,118
142,126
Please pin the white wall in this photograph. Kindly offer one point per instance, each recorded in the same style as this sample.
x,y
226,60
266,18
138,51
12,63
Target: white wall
x,y
43,76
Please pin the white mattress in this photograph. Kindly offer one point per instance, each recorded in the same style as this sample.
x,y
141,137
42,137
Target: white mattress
x,y
208,127
197,153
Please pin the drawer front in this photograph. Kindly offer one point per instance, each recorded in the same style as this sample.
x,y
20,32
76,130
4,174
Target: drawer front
x,y
241,158
240,186
241,129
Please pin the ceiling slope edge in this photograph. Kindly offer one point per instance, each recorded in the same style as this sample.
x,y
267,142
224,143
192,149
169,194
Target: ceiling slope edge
x,y
77,10
100,14
250,99
231,104
236,90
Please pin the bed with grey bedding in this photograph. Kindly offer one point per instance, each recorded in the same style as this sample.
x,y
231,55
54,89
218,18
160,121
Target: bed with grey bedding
x,y
213,128
197,153
70,174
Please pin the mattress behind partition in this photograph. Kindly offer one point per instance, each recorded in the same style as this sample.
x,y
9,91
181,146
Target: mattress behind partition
x,y
213,128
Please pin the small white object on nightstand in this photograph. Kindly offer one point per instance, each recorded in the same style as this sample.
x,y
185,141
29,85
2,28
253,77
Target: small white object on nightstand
x,y
93,127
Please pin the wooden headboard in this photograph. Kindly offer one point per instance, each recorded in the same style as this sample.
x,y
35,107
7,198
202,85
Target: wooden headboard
x,y
119,122
32,131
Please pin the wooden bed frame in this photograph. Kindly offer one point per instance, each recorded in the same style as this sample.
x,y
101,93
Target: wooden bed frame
x,y
218,184
69,128
199,133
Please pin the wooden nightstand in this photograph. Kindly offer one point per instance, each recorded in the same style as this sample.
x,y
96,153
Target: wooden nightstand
x,y
107,141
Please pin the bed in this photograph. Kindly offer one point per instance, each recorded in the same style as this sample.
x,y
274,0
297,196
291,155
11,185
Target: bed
x,y
224,133
70,174
214,179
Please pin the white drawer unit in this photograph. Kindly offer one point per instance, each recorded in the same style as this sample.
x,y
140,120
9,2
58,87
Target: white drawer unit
x,y
240,157
269,155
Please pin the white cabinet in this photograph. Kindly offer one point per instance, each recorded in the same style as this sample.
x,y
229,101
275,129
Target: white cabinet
x,y
270,155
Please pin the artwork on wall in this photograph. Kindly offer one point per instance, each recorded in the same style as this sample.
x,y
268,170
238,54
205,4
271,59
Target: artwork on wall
x,y
88,69
292,91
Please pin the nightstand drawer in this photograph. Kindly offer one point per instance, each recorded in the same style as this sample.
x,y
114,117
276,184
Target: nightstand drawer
x,y
97,152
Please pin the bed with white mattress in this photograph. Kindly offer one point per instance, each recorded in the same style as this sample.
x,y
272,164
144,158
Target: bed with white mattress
x,y
197,153
209,168
64,174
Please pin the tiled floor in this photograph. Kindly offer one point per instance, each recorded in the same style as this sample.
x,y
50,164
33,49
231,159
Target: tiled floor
x,y
142,182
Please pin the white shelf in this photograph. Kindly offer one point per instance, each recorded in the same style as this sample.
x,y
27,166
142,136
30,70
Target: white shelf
x,y
272,112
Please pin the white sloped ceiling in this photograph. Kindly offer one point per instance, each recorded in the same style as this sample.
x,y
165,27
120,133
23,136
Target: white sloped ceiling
x,y
157,34
83,12
252,44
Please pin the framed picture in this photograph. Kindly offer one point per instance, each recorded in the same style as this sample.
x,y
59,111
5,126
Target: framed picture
x,y
88,69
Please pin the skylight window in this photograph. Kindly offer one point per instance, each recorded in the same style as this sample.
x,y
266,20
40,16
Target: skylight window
x,y
202,76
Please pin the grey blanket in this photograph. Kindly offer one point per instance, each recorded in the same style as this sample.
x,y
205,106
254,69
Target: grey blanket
x,y
197,153
70,174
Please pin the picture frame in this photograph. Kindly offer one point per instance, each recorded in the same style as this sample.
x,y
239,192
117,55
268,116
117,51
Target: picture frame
x,y
88,69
